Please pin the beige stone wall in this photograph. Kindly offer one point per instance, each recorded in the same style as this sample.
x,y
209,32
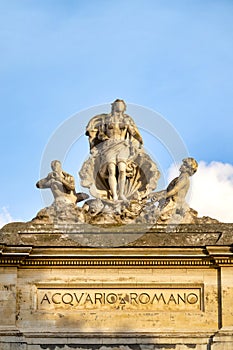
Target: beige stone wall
x,y
116,299
8,306
47,299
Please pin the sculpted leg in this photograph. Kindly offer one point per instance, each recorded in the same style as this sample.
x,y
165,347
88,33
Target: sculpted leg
x,y
112,180
121,179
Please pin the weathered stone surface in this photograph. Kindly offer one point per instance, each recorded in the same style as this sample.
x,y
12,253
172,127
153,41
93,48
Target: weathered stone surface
x,y
117,235
170,294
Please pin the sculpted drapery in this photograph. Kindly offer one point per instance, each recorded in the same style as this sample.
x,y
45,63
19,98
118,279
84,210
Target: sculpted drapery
x,y
118,168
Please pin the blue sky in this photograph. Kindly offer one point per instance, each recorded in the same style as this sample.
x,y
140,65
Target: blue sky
x,y
59,57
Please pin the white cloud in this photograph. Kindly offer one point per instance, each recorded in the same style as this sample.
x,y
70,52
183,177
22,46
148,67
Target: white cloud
x,y
211,192
5,216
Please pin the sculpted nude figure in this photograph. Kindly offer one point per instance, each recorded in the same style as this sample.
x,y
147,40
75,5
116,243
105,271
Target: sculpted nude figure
x,y
116,133
61,184
173,198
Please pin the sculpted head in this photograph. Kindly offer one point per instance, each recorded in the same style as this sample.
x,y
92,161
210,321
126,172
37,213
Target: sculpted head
x,y
56,165
189,165
118,106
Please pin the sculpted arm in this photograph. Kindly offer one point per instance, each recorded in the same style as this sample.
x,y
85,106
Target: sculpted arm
x,y
68,182
44,183
135,133
94,129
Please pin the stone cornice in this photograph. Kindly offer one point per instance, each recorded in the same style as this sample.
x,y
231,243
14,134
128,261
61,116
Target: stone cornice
x,y
176,257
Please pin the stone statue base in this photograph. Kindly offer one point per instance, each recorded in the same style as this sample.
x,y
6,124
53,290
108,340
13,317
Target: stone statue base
x,y
168,287
104,212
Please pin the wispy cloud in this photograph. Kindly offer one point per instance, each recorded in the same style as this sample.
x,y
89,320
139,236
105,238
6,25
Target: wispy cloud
x,y
212,190
5,216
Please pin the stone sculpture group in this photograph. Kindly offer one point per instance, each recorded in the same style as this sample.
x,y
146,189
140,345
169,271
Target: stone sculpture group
x,y
121,178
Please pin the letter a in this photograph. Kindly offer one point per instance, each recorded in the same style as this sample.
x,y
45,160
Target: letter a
x,y
45,298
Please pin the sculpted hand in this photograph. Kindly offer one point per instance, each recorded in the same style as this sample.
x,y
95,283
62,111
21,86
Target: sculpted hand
x,y
157,196
55,175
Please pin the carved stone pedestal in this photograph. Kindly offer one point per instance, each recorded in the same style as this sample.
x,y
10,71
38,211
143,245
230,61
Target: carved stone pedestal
x,y
166,289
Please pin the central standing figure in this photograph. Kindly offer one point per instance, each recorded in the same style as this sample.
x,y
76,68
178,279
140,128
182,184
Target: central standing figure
x,y
118,163
117,133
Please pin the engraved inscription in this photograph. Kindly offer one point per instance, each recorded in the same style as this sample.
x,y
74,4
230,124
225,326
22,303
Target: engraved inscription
x,y
153,299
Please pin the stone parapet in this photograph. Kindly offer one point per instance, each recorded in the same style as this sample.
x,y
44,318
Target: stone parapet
x,y
166,288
